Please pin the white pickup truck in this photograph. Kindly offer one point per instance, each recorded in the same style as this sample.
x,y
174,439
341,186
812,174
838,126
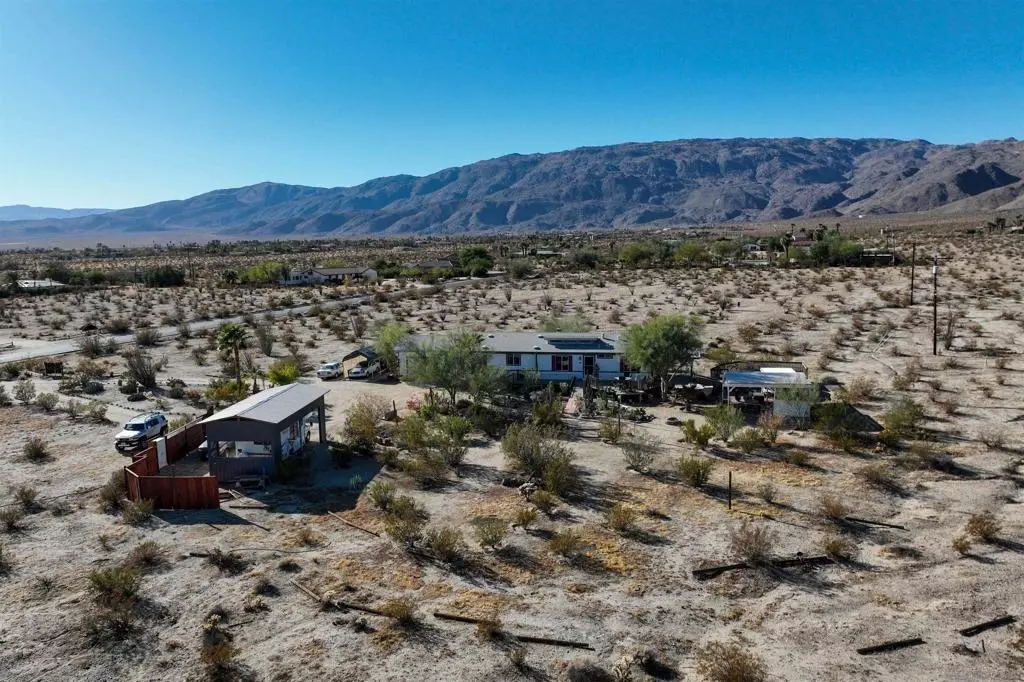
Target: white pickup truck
x,y
330,370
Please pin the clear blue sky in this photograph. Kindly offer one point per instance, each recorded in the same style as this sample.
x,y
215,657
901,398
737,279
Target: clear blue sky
x,y
122,103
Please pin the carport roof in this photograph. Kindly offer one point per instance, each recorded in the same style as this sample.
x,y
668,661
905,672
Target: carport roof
x,y
752,378
272,406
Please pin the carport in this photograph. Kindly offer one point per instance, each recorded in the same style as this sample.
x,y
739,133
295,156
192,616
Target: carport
x,y
270,425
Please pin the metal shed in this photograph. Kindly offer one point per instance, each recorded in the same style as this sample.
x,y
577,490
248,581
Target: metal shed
x,y
267,417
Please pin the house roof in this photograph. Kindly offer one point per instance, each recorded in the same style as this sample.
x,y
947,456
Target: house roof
x,y
773,377
340,271
543,342
273,405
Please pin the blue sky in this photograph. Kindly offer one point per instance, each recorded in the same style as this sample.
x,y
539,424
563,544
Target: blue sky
x,y
122,103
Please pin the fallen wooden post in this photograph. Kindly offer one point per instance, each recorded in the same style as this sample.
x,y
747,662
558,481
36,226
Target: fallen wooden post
x,y
715,571
889,646
522,638
308,592
988,625
874,523
552,642
349,523
247,506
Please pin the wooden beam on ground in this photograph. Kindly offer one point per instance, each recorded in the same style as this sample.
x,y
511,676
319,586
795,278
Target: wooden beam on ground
x,y
349,523
715,571
874,523
890,646
1002,621
522,638
308,592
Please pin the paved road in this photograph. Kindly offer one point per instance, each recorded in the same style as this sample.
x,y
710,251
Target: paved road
x,y
26,349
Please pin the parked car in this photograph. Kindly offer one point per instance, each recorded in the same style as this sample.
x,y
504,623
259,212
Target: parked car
x,y
140,430
364,370
330,370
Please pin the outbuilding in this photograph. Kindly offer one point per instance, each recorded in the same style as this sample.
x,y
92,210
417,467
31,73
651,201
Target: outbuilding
x,y
255,435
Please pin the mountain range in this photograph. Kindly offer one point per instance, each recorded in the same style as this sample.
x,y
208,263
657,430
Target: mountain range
x,y
24,212
685,182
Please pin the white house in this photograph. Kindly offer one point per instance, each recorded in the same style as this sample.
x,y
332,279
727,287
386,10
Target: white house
x,y
330,276
557,356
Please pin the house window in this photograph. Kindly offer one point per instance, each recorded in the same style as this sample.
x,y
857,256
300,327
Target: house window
x,y
561,363
605,356
513,359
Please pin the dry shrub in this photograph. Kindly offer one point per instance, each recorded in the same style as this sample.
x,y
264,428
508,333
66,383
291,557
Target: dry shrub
x,y
6,561
878,476
838,547
226,562
112,492
639,449
136,513
401,610
962,545
719,662
489,629
27,497
146,556
798,458
620,518
992,435
832,508
770,424
545,501
983,526
381,493
525,517
767,491
566,543
752,542
747,440
36,450
115,588
860,389
10,519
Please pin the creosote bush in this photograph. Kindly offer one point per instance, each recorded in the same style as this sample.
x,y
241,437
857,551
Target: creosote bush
x,y
747,440
698,435
36,450
639,449
136,513
962,545
490,531
726,420
112,492
720,662
983,526
146,556
381,493
620,518
525,517
752,542
694,471
566,543
445,542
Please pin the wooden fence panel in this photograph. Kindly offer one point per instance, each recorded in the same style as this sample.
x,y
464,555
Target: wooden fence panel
x,y
233,468
186,492
131,482
184,441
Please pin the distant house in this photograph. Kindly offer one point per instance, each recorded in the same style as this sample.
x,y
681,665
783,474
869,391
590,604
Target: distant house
x,y
558,356
428,265
330,276
40,284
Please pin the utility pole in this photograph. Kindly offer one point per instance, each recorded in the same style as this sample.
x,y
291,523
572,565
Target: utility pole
x,y
913,263
935,305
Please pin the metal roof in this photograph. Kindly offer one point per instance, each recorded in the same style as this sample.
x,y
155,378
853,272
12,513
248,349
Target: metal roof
x,y
543,342
754,378
273,405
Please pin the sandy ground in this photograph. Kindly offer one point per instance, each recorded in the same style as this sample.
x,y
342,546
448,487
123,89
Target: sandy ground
x,y
633,591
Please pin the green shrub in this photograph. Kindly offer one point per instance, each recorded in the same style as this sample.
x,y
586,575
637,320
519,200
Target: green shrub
x,y
146,556
694,471
445,542
560,476
226,562
112,492
97,411
699,436
381,493
428,469
490,531
748,440
10,519
547,411
544,500
767,491
903,418
566,543
5,398
136,513
404,530
47,401
525,517
620,518
283,372
639,449
725,420
116,587
611,429
25,391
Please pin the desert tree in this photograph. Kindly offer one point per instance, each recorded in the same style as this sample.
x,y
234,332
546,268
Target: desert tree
x,y
386,342
458,363
663,343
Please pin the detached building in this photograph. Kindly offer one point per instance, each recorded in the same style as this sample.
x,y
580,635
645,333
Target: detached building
x,y
556,356
330,276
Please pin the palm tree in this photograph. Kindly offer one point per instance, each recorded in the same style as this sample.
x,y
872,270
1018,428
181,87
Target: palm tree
x,y
233,337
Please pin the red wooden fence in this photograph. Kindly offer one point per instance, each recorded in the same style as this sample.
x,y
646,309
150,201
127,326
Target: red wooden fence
x,y
171,492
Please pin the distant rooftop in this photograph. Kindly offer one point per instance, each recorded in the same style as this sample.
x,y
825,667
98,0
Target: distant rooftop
x,y
541,342
273,405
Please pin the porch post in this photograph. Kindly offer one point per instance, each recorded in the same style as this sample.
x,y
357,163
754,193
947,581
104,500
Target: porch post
x,y
321,413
